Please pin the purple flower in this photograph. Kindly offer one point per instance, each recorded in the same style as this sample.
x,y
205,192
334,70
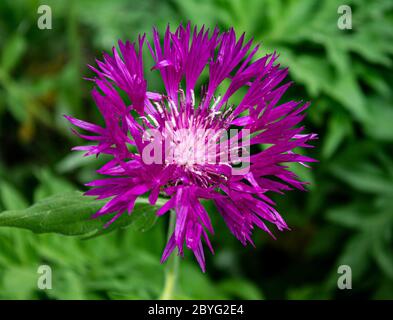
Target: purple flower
x,y
183,127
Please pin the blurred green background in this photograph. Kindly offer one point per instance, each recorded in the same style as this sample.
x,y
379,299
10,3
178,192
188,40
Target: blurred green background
x,y
345,218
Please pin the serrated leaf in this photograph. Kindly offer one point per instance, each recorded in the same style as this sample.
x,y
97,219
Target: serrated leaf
x,y
70,214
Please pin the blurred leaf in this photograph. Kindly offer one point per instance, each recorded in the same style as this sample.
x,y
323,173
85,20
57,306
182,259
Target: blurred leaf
x,y
240,289
347,91
373,78
73,161
12,52
338,128
195,285
50,185
384,256
366,179
312,71
378,52
19,282
355,254
337,54
15,98
348,216
11,198
379,124
68,285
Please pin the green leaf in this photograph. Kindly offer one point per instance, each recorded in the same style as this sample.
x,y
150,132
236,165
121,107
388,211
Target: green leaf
x,y
366,179
50,185
16,100
73,161
195,285
241,289
338,127
383,256
378,52
356,254
11,198
311,71
379,124
346,90
19,282
13,50
347,216
337,55
70,214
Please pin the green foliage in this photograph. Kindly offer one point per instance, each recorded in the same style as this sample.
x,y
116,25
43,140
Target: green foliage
x,y
345,218
70,214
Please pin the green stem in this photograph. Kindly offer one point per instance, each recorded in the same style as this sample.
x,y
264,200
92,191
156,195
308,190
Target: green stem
x,y
172,265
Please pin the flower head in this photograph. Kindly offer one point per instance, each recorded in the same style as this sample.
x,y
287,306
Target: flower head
x,y
191,142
